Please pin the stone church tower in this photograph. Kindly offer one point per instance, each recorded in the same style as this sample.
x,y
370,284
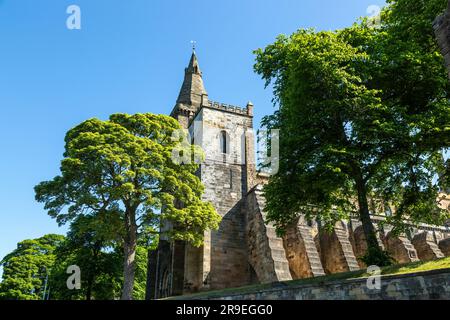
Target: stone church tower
x,y
246,249
225,134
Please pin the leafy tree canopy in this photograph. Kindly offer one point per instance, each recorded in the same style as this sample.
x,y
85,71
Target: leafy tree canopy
x,y
25,269
100,261
363,116
121,171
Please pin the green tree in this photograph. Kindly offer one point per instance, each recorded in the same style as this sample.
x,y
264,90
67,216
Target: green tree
x,y
140,284
87,246
122,169
25,269
407,68
363,114
99,258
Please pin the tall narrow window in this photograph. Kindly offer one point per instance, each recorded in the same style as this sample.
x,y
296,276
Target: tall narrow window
x,y
231,179
223,142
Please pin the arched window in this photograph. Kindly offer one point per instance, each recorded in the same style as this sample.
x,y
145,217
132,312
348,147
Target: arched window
x,y
223,142
165,285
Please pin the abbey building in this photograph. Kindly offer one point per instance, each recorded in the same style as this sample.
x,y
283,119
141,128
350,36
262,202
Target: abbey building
x,y
245,249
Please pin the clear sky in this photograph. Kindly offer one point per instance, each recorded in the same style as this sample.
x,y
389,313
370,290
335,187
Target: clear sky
x,y
129,56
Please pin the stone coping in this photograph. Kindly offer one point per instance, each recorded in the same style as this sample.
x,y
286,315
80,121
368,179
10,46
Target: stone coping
x,y
289,285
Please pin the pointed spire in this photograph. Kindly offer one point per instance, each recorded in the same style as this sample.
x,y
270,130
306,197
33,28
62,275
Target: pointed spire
x,y
193,65
192,91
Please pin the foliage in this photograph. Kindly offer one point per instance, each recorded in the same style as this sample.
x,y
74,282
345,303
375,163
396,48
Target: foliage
x,y
407,67
363,117
99,261
25,269
377,258
140,283
121,171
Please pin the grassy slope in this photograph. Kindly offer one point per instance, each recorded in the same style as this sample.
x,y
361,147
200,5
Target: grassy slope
x,y
391,270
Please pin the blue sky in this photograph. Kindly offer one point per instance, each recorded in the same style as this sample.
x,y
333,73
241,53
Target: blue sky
x,y
128,57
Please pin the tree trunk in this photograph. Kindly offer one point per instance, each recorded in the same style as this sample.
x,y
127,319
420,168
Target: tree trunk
x,y
89,288
129,265
151,274
364,215
93,271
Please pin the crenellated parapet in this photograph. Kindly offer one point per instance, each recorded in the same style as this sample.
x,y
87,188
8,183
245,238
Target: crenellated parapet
x,y
228,108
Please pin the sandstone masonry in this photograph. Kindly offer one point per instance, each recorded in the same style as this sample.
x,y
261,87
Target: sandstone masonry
x,y
246,249
431,285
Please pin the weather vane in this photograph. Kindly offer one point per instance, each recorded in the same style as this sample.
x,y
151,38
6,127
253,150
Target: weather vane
x,y
194,43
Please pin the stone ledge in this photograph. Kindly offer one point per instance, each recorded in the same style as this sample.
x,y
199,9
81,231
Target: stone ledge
x,y
279,290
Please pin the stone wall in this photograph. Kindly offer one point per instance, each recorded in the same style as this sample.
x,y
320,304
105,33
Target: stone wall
x,y
336,250
301,251
420,286
426,247
246,249
444,245
400,248
207,127
229,266
266,253
193,266
358,240
224,253
223,259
